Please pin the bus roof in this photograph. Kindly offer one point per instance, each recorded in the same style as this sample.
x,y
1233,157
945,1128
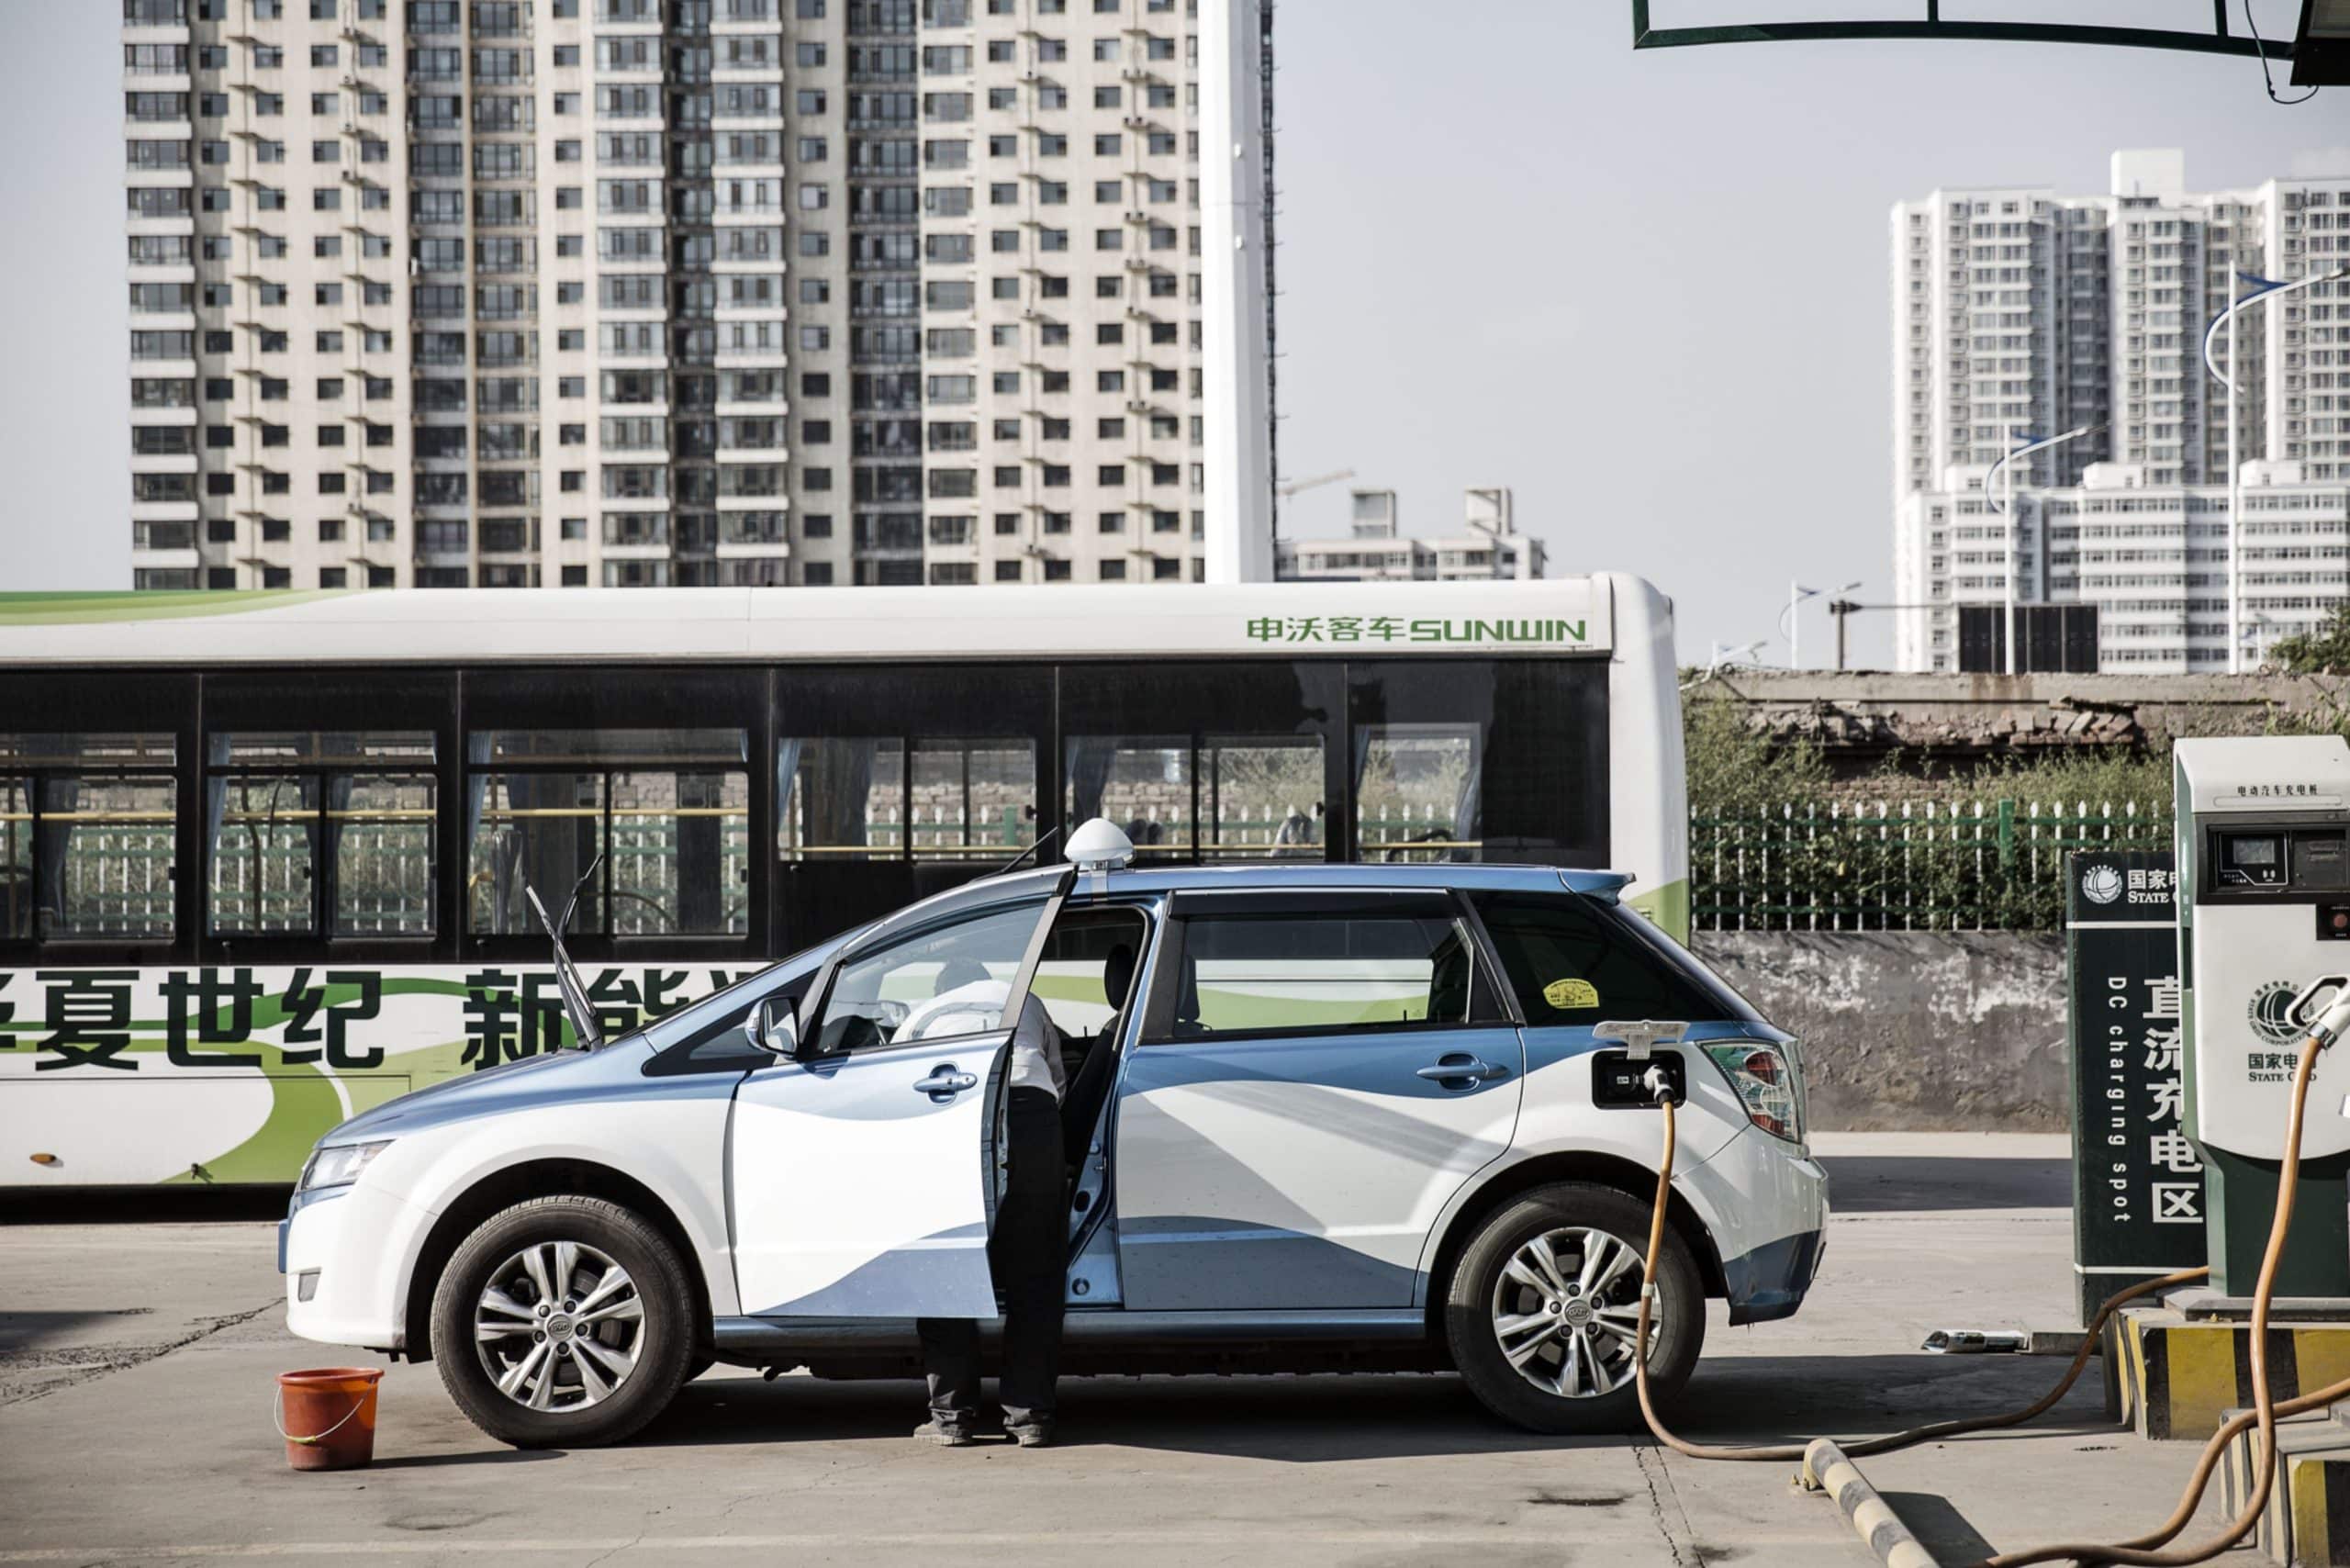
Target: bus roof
x,y
1561,615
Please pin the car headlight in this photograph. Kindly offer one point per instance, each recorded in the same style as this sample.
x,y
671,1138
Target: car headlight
x,y
338,1165
1766,1084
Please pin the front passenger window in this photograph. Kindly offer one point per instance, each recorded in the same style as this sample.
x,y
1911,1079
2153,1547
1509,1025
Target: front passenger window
x,y
938,984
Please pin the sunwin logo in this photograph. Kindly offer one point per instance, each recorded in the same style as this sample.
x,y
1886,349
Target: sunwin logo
x,y
1395,629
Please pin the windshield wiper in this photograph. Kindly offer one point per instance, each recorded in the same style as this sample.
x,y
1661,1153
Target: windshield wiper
x,y
566,973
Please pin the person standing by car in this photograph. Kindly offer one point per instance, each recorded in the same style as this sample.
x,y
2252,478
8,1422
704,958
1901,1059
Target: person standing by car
x,y
1029,1251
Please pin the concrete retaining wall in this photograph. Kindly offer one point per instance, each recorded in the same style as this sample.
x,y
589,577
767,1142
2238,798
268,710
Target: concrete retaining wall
x,y
1913,1031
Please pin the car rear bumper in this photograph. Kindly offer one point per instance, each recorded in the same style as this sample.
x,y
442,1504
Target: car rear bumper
x,y
1771,1282
1767,1205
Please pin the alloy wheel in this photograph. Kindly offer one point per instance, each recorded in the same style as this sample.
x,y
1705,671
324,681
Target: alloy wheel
x,y
1566,1312
558,1325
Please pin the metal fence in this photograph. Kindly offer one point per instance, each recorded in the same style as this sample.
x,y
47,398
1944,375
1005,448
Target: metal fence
x,y
1983,865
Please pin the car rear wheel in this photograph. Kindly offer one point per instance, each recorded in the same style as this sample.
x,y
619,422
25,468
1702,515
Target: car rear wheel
x,y
1542,1311
563,1321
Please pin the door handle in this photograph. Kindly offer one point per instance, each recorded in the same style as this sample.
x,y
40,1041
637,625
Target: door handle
x,y
944,1082
1454,1067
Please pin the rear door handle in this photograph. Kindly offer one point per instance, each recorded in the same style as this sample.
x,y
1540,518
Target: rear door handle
x,y
1458,1069
944,1082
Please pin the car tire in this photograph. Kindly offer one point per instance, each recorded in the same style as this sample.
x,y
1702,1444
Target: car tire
x,y
1577,1375
574,1384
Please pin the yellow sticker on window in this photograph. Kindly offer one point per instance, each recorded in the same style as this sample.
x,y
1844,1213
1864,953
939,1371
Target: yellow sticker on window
x,y
1565,993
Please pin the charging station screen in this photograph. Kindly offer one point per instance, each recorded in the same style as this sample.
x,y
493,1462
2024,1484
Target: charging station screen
x,y
2255,861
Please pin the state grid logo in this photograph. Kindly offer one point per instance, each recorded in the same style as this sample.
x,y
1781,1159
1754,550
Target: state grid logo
x,y
2271,1013
2101,884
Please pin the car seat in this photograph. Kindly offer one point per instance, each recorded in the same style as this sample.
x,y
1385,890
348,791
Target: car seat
x,y
1089,1085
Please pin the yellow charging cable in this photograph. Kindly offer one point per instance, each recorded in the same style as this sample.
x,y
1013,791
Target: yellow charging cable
x,y
2136,1551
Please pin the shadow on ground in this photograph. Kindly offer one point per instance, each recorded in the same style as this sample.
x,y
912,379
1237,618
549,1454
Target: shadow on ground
x,y
33,1330
1896,1184
1745,1399
1940,1527
146,1205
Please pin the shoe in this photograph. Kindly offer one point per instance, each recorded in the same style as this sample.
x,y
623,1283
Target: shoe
x,y
944,1436
1037,1435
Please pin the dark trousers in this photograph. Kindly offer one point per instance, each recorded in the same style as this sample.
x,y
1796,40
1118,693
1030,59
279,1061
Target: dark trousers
x,y
1030,1254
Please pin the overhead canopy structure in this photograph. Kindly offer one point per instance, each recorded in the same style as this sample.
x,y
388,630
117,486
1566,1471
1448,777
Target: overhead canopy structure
x,y
2319,48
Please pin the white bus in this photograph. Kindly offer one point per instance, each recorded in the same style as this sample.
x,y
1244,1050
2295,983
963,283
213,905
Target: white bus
x,y
262,856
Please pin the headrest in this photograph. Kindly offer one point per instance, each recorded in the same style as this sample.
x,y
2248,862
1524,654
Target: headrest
x,y
1117,975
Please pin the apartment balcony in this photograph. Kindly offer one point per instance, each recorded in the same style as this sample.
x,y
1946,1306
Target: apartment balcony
x,y
754,549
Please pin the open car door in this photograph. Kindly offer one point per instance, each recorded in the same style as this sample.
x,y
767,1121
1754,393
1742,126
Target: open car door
x,y
861,1167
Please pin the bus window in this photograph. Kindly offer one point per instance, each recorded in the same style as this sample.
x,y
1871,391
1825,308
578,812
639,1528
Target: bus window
x,y
1262,797
680,849
668,810
88,831
1479,760
842,799
15,858
972,799
889,799
1417,792
1143,783
264,839
271,797
380,827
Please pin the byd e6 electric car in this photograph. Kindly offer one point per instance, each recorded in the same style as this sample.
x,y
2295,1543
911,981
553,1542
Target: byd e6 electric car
x,y
1317,1117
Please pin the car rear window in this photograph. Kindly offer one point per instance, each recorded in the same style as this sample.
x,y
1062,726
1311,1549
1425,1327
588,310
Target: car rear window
x,y
1573,960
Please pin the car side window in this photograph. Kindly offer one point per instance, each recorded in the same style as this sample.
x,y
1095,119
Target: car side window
x,y
1576,961
1091,954
718,1044
940,983
1322,973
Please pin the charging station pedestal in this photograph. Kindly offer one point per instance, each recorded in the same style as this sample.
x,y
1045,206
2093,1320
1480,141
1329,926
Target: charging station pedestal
x,y
2263,844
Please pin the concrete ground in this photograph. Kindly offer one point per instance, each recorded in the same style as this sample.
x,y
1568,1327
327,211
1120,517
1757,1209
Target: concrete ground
x,y
137,1357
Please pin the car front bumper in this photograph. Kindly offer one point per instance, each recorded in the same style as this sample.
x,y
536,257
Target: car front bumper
x,y
344,1252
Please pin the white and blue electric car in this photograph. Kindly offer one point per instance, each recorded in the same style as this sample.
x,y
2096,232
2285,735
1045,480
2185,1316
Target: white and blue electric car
x,y
1318,1116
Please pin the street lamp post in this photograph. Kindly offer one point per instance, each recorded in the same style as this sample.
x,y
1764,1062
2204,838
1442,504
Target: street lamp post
x,y
2265,289
2008,511
1791,623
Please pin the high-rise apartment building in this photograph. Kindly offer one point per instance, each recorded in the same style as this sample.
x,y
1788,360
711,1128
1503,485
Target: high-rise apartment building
x,y
513,293
2021,314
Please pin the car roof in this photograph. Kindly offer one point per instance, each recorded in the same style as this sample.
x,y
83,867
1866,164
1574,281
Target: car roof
x,y
1158,878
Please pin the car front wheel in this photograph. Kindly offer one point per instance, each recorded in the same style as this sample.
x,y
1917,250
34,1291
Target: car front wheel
x,y
563,1322
1542,1313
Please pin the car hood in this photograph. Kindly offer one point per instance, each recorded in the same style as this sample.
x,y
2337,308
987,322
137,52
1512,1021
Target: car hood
x,y
531,1080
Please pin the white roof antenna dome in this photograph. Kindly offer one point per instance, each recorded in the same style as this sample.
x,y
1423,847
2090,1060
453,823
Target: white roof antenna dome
x,y
1100,847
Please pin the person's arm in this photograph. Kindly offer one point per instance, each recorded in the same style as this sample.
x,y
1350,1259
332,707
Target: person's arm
x,y
1038,1033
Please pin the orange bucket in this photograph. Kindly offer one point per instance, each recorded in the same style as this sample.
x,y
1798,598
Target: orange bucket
x,y
327,1416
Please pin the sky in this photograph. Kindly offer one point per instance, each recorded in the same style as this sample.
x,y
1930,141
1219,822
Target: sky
x,y
1645,290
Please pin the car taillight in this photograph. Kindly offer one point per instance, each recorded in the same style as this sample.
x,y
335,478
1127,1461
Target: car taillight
x,y
1766,1083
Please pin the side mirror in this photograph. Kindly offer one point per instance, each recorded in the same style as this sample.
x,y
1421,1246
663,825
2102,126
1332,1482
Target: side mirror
x,y
773,1027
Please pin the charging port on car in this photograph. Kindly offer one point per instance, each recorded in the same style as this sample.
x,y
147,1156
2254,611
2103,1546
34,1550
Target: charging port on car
x,y
1619,1083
